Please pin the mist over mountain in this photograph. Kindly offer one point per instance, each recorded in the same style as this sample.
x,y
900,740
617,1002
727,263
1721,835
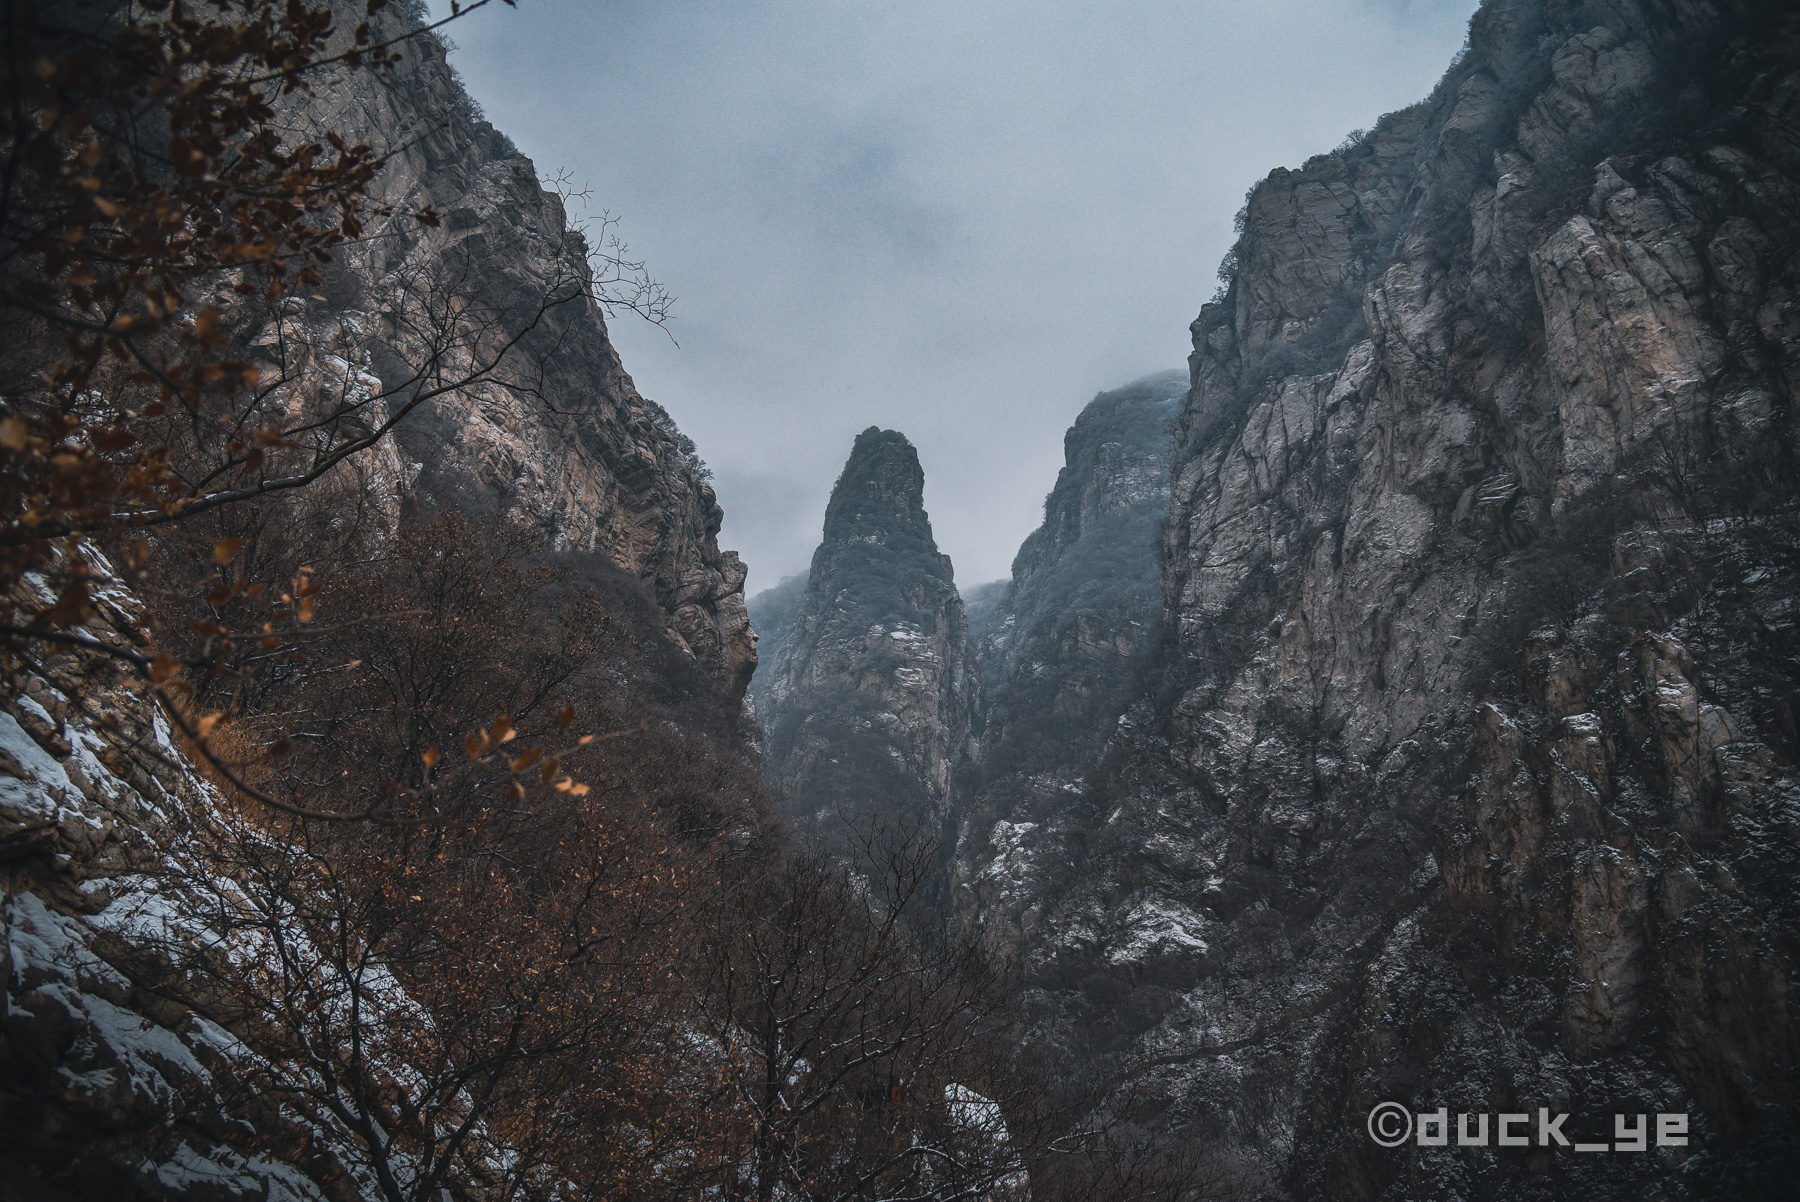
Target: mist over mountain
x,y
1393,713
1436,751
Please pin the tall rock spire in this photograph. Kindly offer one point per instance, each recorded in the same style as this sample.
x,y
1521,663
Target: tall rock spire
x,y
880,494
868,699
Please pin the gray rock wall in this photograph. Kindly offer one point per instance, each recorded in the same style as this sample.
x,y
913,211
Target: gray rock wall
x,y
559,437
1468,776
1062,652
119,1075
866,712
119,1078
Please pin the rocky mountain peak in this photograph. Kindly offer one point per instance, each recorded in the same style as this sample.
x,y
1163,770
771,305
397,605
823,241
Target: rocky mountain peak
x,y
1115,460
1484,449
1061,653
1443,749
881,494
889,695
557,440
867,703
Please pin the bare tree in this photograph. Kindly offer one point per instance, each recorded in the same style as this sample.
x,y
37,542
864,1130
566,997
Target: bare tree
x,y
852,1049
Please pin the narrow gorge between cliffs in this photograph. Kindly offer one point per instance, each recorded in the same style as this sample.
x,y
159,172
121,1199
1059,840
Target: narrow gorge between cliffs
x,y
1394,716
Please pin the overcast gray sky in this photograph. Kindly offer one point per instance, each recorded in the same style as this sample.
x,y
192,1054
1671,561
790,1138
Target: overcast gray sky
x,y
957,220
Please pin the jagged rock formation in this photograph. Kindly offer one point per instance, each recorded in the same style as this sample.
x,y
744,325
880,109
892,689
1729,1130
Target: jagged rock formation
x,y
1085,593
559,439
1469,780
1062,647
868,702
1049,659
118,1071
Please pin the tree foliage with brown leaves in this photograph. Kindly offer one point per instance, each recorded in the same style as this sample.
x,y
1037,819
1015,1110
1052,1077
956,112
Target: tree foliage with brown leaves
x,y
160,222
447,975
144,174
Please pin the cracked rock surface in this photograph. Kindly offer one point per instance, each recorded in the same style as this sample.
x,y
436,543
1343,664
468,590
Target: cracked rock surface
x,y
559,440
1453,761
1466,776
869,693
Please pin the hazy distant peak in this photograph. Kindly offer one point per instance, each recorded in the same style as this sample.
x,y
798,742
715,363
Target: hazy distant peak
x,y
881,493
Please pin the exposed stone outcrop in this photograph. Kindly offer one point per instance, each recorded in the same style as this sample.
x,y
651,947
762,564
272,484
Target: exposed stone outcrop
x,y
1468,779
124,1071
559,438
1062,649
868,701
1085,593
127,1068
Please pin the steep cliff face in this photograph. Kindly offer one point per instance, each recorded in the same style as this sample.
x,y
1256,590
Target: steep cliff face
x,y
774,612
868,703
123,1076
1084,596
1470,782
1062,648
557,437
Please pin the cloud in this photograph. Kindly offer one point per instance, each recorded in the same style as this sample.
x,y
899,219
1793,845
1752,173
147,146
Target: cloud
x,y
956,220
